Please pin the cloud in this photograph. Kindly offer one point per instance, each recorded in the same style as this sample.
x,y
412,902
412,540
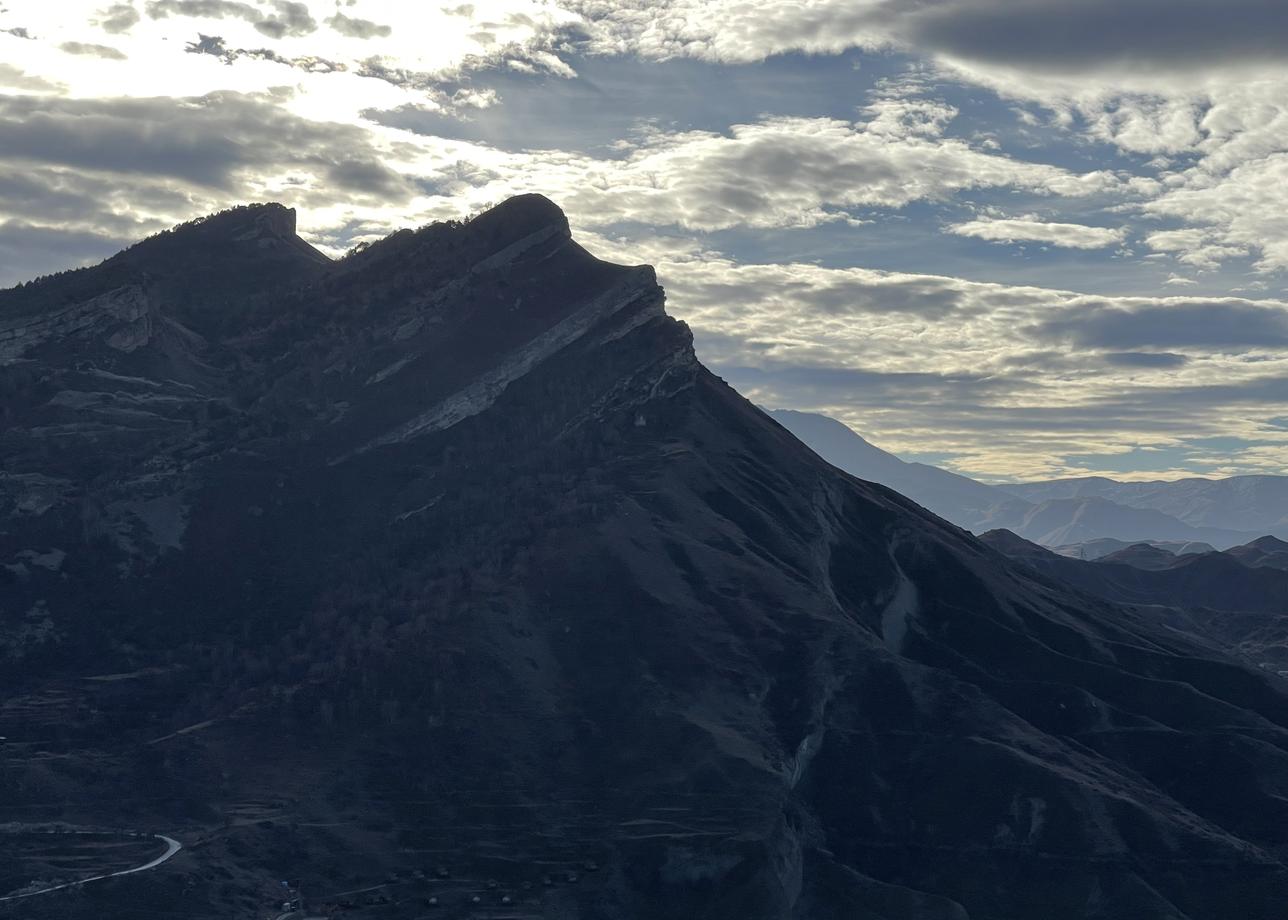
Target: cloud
x,y
1008,378
13,78
118,18
901,116
1055,36
202,9
102,51
1236,214
1223,324
358,28
42,250
172,158
1072,236
216,46
289,19
1193,78
1065,37
1074,36
734,31
1146,359
799,172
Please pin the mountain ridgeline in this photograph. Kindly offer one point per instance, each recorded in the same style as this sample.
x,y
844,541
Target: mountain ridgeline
x,y
1066,512
444,577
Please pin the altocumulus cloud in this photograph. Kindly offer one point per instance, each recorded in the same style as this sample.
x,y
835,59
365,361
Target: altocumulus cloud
x,y
924,359
358,28
287,18
102,51
1010,230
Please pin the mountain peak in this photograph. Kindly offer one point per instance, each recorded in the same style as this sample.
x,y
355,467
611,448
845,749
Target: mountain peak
x,y
530,209
197,270
1269,544
250,229
518,220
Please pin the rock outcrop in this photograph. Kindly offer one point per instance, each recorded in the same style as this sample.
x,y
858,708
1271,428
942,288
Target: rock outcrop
x,y
121,317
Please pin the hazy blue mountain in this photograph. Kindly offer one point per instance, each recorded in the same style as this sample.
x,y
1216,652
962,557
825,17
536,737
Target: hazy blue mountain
x,y
1103,546
1142,556
1024,509
955,498
1249,504
1061,521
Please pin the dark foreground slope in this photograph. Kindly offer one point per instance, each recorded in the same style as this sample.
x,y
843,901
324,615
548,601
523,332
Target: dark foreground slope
x,y
1240,606
446,571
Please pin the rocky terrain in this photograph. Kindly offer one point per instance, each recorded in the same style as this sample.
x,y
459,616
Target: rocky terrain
x,y
443,580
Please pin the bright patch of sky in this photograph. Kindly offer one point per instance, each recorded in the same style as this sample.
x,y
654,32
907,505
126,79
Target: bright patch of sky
x,y
1023,238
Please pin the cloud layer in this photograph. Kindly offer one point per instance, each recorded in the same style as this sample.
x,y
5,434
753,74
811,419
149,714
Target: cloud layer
x,y
872,207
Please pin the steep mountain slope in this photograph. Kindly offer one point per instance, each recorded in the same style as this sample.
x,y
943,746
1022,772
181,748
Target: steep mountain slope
x,y
955,498
451,554
1244,503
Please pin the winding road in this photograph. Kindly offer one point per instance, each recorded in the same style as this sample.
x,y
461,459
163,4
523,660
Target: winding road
x,y
172,846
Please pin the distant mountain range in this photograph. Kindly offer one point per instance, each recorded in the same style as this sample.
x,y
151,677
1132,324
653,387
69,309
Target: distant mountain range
x,y
1104,546
1257,504
1221,512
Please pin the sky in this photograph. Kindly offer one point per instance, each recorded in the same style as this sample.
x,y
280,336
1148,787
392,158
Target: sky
x,y
1020,239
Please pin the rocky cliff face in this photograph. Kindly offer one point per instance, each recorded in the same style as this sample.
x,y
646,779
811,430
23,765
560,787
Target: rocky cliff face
x,y
123,311
451,554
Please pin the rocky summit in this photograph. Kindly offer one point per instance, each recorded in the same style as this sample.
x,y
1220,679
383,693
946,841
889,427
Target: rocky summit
x,y
443,580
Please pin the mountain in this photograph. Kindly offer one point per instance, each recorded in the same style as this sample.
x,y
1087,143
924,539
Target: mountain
x,y
955,498
1063,517
1264,551
1142,556
1095,549
1217,595
444,578
1062,521
1268,552
1257,504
